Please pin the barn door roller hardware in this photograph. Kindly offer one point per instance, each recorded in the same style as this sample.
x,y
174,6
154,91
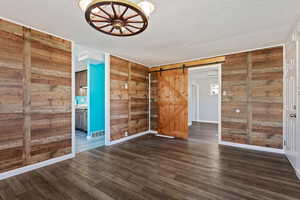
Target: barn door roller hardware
x,y
186,66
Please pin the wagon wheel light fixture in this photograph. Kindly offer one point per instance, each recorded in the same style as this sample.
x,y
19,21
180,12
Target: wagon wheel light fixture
x,y
117,17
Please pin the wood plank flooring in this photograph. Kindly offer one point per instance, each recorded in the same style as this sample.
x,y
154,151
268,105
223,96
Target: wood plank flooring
x,y
158,168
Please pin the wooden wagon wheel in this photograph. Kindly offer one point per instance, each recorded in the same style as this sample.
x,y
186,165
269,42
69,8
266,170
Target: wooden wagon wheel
x,y
116,17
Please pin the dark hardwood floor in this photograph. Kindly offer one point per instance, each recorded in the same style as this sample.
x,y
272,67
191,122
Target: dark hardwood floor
x,y
158,168
203,133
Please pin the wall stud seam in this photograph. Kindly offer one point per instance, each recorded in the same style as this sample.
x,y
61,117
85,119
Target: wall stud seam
x,y
27,94
249,96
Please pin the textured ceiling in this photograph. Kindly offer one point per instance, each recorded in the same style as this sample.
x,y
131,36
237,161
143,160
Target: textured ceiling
x,y
179,30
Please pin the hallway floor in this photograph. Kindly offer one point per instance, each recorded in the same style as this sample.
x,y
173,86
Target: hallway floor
x,y
84,144
151,167
203,132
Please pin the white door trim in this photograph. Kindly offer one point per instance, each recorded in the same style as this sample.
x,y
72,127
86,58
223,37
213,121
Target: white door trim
x,y
107,99
220,103
194,116
284,99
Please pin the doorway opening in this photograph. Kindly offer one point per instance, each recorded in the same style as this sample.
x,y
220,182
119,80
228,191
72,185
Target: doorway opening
x,y
89,98
205,103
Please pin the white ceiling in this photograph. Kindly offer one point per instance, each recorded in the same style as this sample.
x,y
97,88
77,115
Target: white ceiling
x,y
178,30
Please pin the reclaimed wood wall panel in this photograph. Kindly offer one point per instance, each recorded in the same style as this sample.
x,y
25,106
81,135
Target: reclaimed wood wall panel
x,y
119,97
267,98
35,104
252,100
51,96
154,100
138,99
11,96
129,98
234,112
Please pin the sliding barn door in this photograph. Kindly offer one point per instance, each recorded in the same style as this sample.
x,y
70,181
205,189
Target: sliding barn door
x,y
173,103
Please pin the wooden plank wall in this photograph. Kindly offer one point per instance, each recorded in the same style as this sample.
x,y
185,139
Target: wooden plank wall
x,y
235,98
129,98
12,96
154,101
252,100
252,83
35,90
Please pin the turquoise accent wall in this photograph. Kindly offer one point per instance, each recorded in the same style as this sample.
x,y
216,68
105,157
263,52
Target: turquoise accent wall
x,y
96,98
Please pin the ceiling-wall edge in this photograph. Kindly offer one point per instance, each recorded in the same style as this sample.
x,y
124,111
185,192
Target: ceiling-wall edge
x,y
33,28
218,55
128,59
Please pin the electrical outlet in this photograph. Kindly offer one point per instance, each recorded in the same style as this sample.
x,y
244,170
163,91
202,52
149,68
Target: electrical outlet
x,y
126,133
237,110
126,85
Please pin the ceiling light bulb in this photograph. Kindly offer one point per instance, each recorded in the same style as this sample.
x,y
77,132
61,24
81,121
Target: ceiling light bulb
x,y
147,7
83,4
123,28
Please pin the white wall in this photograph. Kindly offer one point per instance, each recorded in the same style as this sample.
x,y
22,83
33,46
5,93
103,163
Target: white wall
x,y
85,55
207,108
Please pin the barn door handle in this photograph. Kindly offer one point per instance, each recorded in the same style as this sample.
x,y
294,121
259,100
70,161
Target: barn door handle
x,y
293,116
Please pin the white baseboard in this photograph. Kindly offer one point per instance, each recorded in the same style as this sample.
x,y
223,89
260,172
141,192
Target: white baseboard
x,y
153,132
209,122
252,147
128,138
28,168
164,136
157,134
